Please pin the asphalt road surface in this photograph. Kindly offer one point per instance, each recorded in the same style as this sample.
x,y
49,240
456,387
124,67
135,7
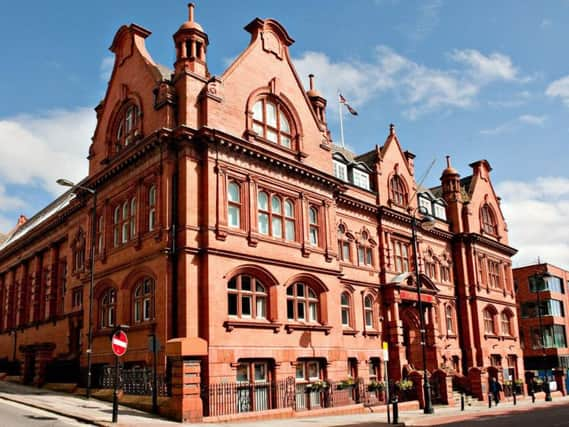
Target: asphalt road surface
x,y
554,416
15,415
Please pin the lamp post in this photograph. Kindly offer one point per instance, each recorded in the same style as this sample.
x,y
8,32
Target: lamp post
x,y
539,283
426,223
93,192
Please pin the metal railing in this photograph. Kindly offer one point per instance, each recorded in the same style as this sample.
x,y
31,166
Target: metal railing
x,y
135,381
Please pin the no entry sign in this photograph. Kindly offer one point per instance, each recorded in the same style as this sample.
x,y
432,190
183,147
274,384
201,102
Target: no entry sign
x,y
119,343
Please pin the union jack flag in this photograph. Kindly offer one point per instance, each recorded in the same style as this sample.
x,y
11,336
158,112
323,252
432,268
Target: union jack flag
x,y
350,109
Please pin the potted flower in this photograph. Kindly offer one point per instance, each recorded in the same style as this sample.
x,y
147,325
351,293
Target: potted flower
x,y
317,386
346,383
376,386
518,385
403,385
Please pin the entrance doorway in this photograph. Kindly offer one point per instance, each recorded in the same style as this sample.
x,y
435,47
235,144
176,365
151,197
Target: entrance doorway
x,y
412,337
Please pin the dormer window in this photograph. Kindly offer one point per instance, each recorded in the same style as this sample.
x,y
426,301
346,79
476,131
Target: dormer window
x,y
425,203
340,170
270,122
361,179
398,191
488,220
440,211
127,127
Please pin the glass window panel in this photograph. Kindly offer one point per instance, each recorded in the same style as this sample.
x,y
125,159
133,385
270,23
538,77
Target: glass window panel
x,y
246,305
232,304
345,317
242,373
360,255
300,289
258,111
313,370
368,302
263,223
285,141
369,319
258,128
271,111
263,201
311,293
340,170
285,127
313,307
368,256
290,309
232,284
290,290
245,283
313,216
276,206
277,227
344,300
289,209
300,310
261,307
290,230
300,371
272,135
233,191
313,236
260,372
345,251
259,287
233,216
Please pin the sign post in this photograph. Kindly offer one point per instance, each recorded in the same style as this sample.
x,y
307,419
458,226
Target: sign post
x,y
119,344
385,360
154,347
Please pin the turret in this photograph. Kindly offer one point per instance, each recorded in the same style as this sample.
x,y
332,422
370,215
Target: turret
x,y
317,101
191,46
450,180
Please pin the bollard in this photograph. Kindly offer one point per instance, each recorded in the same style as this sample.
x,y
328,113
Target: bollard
x,y
515,402
489,400
533,397
462,401
395,411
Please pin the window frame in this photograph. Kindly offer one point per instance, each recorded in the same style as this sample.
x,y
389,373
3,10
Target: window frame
x,y
254,296
398,191
361,179
346,308
262,128
401,257
108,308
144,301
488,221
128,126
311,303
234,205
314,226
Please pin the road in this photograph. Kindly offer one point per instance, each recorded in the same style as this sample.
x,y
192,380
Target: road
x,y
13,414
553,416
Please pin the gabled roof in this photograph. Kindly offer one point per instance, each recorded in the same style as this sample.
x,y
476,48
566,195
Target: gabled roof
x,y
49,211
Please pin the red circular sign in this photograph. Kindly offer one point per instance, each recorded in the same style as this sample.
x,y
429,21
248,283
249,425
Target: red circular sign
x,y
119,343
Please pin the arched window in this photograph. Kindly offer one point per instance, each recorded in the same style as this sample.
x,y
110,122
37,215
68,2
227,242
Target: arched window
x,y
271,122
302,303
313,225
132,217
489,326
365,256
100,234
368,311
144,300
506,320
151,207
290,227
234,204
343,244
127,126
108,308
274,219
246,297
345,307
449,320
398,191
488,220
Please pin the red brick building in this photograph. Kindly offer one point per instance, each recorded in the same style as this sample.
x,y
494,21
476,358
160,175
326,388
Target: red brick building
x,y
232,227
542,308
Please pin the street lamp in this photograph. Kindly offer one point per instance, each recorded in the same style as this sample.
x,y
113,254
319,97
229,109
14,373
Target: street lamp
x,y
67,183
539,284
427,222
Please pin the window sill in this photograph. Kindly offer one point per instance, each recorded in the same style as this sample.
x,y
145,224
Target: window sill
x,y
352,332
370,333
290,327
229,325
491,336
451,336
509,338
278,240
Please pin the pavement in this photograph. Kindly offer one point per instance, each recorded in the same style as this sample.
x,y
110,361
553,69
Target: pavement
x,y
96,412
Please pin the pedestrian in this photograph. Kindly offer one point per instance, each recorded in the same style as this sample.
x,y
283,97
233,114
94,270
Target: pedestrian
x,y
495,389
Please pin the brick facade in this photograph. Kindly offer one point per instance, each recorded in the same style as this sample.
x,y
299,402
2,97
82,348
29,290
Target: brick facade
x,y
232,227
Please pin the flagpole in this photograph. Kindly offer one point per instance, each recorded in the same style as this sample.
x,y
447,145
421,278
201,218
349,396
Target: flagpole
x,y
341,122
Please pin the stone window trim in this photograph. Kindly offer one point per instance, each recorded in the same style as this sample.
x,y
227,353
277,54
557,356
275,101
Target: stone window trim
x,y
272,92
126,128
345,239
365,250
489,315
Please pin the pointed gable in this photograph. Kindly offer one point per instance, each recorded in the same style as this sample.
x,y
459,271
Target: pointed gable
x,y
128,95
485,214
261,98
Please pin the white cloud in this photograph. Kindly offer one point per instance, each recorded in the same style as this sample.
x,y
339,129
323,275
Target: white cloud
x,y
106,67
559,88
537,213
512,125
420,88
38,149
517,100
8,203
495,66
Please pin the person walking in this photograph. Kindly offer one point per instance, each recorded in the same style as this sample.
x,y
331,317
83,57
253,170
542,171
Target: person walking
x,y
495,389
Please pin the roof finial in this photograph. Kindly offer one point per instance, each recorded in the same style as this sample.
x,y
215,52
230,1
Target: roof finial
x,y
391,129
311,77
191,7
448,161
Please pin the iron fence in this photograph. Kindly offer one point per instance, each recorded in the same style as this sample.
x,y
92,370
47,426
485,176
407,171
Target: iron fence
x,y
135,381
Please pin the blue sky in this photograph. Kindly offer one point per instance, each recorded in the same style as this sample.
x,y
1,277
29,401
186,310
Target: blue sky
x,y
470,79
